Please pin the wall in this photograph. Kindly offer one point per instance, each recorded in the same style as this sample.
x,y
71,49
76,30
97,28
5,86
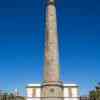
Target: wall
x,y
71,93
33,93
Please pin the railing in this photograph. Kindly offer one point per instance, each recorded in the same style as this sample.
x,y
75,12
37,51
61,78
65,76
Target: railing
x,y
42,98
52,98
8,97
58,98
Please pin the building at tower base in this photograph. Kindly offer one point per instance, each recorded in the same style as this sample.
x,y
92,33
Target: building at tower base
x,y
70,92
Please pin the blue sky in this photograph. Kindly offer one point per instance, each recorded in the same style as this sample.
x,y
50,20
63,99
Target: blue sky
x,y
22,42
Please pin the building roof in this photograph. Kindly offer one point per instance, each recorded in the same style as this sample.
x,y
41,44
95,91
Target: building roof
x,y
70,85
33,85
39,85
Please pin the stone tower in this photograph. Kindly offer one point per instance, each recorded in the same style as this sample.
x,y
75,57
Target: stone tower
x,y
52,87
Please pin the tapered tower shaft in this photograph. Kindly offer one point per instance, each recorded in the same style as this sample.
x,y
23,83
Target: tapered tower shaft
x,y
51,70
52,88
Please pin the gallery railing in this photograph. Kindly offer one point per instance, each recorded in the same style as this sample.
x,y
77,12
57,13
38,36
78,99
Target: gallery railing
x,y
59,98
53,98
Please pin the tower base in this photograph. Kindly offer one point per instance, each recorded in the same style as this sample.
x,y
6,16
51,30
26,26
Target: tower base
x,y
52,90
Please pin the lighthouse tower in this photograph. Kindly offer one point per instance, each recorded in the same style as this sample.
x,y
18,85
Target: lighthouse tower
x,y
52,88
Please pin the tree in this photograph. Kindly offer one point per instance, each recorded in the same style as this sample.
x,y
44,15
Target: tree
x,y
5,95
92,95
11,96
95,94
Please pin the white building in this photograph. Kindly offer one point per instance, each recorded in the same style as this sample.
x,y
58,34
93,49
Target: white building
x,y
71,92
